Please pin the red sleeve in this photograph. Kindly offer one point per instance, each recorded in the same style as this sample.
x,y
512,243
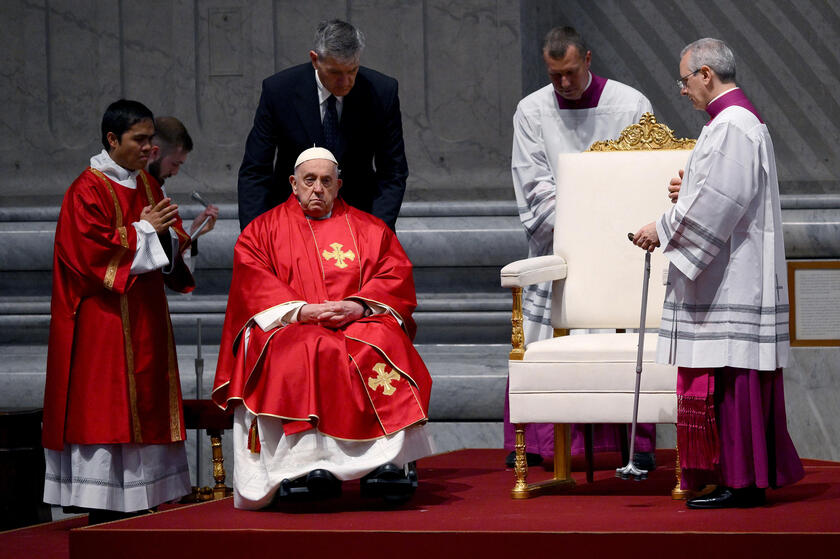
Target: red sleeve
x,y
95,248
388,277
255,287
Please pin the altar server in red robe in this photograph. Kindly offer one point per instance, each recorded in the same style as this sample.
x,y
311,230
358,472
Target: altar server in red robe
x,y
113,421
316,354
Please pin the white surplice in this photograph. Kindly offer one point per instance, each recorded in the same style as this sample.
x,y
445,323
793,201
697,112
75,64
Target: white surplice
x,y
726,303
542,131
119,477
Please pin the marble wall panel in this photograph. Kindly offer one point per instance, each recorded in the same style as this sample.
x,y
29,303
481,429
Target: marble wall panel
x,y
294,28
786,55
471,70
70,111
462,68
812,395
12,65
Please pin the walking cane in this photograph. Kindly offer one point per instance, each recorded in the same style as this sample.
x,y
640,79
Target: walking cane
x,y
630,469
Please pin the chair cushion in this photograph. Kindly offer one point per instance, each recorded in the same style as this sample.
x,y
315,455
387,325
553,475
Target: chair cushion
x,y
590,378
607,347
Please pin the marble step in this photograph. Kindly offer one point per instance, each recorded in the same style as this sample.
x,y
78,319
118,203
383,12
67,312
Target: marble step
x,y
447,234
469,379
441,318
439,241
26,208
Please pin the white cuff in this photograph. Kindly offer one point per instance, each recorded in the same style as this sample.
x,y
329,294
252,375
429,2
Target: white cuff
x,y
149,254
281,315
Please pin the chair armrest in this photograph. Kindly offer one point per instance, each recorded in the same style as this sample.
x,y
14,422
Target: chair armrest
x,y
533,270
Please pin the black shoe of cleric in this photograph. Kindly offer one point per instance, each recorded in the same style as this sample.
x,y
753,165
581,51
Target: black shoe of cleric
x,y
727,498
531,458
391,483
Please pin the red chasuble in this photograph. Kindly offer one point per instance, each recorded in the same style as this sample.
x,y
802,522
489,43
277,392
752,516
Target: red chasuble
x,y
112,374
359,382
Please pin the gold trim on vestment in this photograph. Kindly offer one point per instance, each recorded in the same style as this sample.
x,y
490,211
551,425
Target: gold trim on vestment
x,y
389,310
645,136
110,275
356,245
111,271
370,399
129,366
385,355
113,264
317,249
172,373
123,236
317,419
420,421
149,196
259,357
394,368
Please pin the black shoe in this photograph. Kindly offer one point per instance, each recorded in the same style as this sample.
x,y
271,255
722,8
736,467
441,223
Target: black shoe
x,y
393,484
645,461
323,485
316,485
727,498
531,458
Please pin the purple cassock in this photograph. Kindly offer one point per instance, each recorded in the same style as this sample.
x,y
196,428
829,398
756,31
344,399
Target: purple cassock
x,y
743,441
732,425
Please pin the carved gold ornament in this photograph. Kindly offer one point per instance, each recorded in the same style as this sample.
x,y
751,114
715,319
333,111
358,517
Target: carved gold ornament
x,y
646,135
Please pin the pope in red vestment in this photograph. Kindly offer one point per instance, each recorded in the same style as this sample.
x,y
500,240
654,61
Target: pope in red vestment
x,y
359,381
317,341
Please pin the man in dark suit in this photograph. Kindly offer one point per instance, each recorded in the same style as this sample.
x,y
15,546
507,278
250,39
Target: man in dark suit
x,y
333,103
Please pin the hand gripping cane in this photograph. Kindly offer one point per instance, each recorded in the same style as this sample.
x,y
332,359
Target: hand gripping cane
x,y
630,469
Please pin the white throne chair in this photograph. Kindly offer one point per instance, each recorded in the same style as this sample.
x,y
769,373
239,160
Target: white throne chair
x,y
602,194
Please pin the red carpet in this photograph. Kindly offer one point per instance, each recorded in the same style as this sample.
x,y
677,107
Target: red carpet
x,y
463,509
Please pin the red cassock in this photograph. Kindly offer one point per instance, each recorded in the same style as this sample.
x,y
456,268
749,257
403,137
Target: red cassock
x,y
112,373
359,382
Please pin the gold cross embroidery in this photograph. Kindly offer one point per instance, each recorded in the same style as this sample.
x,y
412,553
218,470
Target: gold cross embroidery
x,y
383,379
338,256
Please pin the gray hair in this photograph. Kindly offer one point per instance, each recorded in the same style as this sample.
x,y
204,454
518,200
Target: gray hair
x,y
559,39
338,39
712,53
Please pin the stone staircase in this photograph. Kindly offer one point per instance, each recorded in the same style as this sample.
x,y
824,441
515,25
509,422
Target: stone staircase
x,y
463,315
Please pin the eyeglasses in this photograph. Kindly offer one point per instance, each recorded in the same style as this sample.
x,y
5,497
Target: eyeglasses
x,y
681,83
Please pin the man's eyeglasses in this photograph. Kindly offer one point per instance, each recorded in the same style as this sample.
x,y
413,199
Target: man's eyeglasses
x,y
681,83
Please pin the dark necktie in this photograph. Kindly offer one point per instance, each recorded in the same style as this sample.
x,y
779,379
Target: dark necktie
x,y
331,126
